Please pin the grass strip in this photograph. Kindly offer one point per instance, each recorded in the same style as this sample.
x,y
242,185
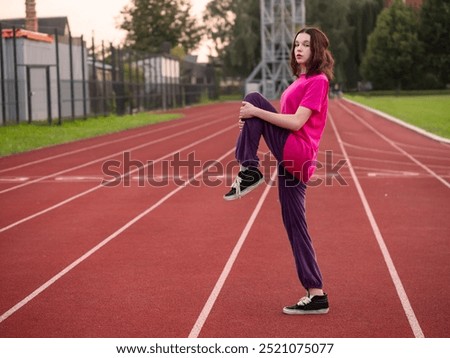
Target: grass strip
x,y
24,137
429,112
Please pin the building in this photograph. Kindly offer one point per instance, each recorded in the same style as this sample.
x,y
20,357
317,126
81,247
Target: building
x,y
30,79
46,25
31,22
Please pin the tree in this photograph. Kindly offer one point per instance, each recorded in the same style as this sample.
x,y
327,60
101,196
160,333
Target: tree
x,y
434,33
234,26
392,57
243,53
362,18
331,17
152,23
347,24
219,17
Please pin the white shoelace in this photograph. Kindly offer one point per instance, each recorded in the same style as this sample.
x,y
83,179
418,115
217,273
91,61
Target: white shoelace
x,y
304,301
237,185
238,181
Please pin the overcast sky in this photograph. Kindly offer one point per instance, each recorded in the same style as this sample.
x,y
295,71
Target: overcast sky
x,y
86,17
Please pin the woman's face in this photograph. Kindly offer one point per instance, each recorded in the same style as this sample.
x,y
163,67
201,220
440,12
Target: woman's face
x,y
302,49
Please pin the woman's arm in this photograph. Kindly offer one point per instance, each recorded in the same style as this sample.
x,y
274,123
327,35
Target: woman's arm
x,y
292,122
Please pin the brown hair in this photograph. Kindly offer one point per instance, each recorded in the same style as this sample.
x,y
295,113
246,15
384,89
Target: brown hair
x,y
321,60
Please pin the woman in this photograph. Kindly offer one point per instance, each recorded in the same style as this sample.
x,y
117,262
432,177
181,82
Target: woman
x,y
293,137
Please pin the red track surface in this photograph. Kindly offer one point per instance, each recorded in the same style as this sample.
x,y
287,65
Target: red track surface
x,y
78,259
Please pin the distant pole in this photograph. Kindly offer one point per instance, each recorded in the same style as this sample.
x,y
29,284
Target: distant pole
x,y
83,74
49,95
104,79
72,90
94,77
2,73
130,80
58,77
29,98
16,80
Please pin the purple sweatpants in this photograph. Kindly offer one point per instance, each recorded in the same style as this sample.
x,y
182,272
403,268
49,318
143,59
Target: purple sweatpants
x,y
291,190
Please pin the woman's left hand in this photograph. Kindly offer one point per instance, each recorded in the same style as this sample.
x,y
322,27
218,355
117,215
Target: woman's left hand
x,y
246,110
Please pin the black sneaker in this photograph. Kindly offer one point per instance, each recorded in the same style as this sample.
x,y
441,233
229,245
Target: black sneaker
x,y
309,305
246,180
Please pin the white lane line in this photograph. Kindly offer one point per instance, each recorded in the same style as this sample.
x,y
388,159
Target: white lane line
x,y
179,122
412,319
75,263
228,266
162,139
393,174
401,150
80,178
440,157
14,179
72,198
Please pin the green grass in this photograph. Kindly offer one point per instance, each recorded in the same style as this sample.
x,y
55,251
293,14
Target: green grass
x,y
222,98
25,137
429,112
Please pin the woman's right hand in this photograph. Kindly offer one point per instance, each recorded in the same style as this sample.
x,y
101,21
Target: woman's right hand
x,y
241,124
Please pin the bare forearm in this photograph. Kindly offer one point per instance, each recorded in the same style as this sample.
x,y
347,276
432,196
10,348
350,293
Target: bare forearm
x,y
292,122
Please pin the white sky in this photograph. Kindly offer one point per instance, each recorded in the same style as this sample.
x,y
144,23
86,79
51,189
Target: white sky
x,y
87,17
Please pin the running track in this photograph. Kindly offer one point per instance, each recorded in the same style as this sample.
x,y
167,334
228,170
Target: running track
x,y
82,259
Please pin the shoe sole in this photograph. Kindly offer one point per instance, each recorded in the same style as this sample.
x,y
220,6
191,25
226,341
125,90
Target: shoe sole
x,y
245,192
297,312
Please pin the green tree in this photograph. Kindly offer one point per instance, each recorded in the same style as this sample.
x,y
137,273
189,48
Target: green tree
x,y
347,24
219,17
152,23
434,33
391,60
362,18
234,26
331,17
243,53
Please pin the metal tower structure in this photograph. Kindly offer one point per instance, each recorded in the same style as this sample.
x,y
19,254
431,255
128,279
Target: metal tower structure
x,y
280,20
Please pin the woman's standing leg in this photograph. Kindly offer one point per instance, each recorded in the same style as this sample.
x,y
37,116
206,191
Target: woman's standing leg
x,y
292,199
292,194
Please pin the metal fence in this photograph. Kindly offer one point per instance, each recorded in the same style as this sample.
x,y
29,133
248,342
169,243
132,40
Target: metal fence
x,y
61,77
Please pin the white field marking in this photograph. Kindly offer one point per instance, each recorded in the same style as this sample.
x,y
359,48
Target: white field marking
x,y
79,178
401,150
413,322
438,151
89,253
398,162
391,152
369,149
157,178
393,175
178,122
72,198
176,134
229,265
14,179
387,171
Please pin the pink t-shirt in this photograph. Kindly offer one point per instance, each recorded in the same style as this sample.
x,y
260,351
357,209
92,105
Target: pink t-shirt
x,y
302,146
